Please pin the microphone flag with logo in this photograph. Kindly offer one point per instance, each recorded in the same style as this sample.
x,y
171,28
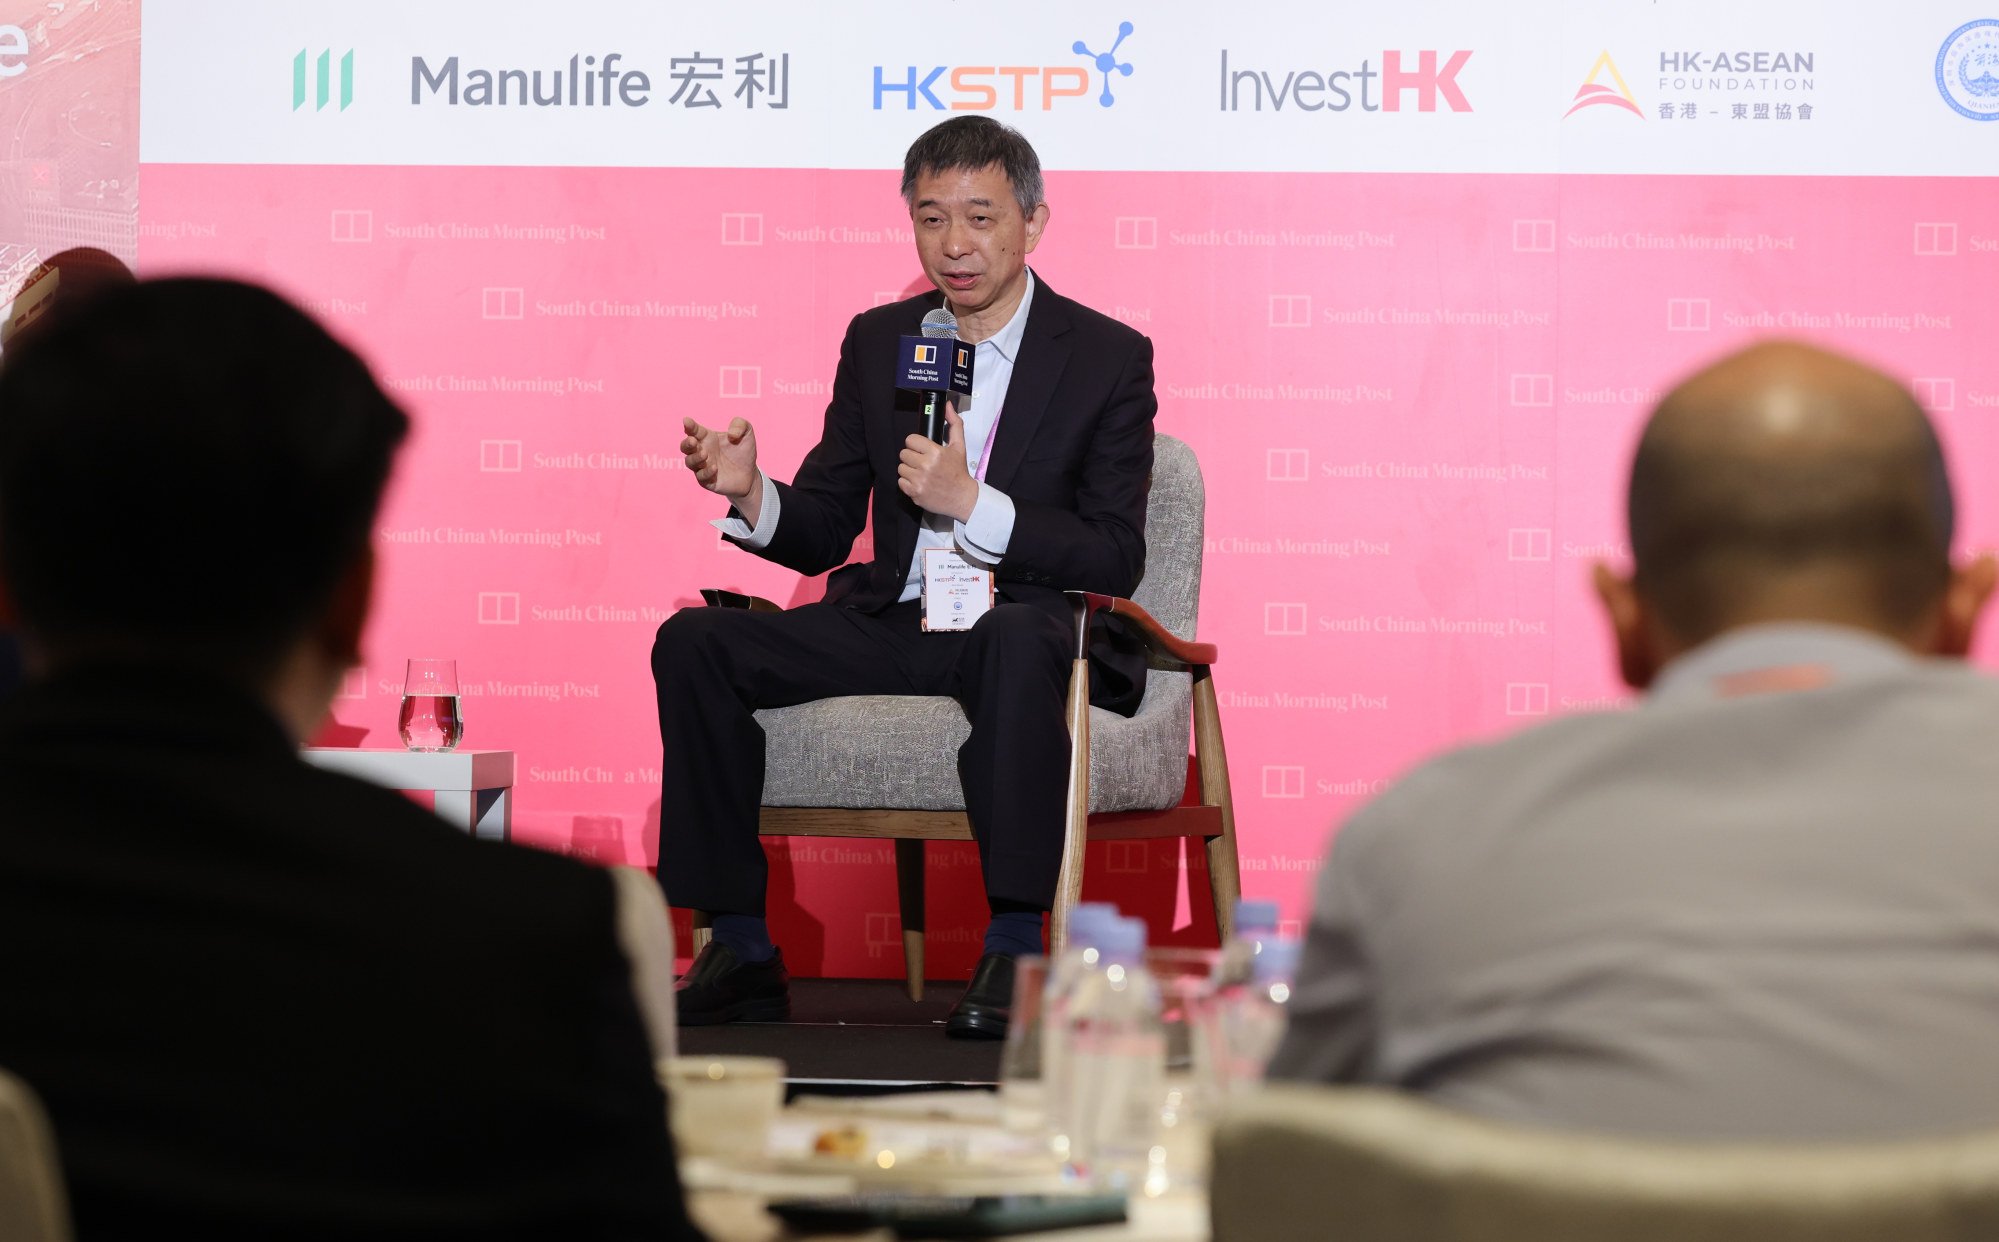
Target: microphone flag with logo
x,y
934,364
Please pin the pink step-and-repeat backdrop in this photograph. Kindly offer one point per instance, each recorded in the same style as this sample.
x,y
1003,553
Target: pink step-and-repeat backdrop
x,y
1414,273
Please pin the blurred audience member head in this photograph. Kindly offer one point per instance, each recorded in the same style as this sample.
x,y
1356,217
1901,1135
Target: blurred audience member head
x,y
1788,484
61,284
189,470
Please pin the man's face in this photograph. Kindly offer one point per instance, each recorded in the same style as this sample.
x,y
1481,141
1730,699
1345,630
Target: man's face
x,y
972,238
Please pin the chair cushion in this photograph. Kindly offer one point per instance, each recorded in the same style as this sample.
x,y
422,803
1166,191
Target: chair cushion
x,y
907,756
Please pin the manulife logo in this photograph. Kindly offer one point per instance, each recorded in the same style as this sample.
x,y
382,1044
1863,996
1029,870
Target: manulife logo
x,y
318,73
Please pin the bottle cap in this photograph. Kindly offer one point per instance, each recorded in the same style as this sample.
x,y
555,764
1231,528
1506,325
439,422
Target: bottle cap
x,y
1278,963
1087,921
1122,941
1255,915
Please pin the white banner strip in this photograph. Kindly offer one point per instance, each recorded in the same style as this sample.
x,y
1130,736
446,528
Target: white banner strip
x,y
1588,86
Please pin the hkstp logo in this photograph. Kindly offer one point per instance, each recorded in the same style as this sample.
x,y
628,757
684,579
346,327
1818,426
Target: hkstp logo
x,y
323,80
1593,93
1968,69
982,88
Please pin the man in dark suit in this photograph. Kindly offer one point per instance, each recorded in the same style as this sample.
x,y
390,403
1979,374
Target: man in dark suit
x,y
1042,486
260,1000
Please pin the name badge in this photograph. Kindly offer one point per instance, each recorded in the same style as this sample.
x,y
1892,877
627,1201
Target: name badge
x,y
955,592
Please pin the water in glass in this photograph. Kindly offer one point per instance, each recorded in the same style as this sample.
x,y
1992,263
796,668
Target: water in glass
x,y
430,718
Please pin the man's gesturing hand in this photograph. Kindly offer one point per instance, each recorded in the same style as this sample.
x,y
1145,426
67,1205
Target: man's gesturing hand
x,y
935,475
725,462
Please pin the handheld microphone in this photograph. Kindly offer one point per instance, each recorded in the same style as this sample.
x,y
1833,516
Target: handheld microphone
x,y
935,364
939,324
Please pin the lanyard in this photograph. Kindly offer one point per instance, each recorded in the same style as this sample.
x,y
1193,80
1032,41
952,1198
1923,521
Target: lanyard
x,y
986,454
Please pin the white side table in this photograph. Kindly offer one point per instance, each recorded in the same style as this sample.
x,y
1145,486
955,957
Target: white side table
x,y
474,788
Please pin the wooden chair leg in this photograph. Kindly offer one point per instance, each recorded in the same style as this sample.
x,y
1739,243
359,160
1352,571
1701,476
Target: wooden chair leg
x,y
702,932
1224,870
1076,818
909,893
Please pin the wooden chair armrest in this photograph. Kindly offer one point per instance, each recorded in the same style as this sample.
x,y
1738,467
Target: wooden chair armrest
x,y
1156,636
718,598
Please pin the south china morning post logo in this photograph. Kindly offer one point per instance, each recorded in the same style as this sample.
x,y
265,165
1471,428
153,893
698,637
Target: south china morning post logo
x,y
1017,88
1967,69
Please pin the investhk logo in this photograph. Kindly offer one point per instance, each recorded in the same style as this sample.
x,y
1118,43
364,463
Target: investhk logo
x,y
323,80
985,88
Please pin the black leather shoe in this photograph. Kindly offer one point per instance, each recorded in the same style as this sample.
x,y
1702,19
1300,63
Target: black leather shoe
x,y
981,1013
721,987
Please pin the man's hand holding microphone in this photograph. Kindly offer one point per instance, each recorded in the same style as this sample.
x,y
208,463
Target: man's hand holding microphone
x,y
936,476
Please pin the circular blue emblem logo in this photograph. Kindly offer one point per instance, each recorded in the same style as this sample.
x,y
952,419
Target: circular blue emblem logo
x,y
1968,69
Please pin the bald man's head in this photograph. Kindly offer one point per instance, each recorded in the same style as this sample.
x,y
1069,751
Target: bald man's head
x,y
1787,483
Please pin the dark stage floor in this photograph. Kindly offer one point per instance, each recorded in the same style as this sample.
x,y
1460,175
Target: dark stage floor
x,y
859,1033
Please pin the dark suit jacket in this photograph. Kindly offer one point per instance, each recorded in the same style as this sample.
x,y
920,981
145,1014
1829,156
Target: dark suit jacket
x,y
264,1001
1074,453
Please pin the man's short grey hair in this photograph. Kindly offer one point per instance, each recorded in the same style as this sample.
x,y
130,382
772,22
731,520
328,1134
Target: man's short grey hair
x,y
975,142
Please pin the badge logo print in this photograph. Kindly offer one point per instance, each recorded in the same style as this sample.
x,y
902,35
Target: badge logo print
x,y
1968,69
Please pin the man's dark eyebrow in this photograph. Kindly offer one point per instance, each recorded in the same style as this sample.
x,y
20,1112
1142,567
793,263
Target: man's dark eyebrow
x,y
931,202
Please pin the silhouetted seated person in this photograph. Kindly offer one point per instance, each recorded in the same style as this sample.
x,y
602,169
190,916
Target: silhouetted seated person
x,y
1764,904
260,1000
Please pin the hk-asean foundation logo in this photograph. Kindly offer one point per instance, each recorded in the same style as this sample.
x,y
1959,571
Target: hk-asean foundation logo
x,y
1968,69
1593,93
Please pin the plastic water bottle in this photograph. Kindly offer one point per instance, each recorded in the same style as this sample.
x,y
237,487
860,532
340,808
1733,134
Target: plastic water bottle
x,y
1078,958
1118,1073
1250,1019
1255,926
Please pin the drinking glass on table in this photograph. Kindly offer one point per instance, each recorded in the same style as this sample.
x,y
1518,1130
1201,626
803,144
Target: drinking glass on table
x,y
1186,979
1023,1106
430,719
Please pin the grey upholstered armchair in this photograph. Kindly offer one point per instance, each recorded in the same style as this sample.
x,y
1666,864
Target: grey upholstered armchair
x,y
882,765
1369,1165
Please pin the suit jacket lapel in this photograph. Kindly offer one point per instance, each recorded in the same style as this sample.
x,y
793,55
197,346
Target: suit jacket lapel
x,y
1037,372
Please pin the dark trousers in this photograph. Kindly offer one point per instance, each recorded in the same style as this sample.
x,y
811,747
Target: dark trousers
x,y
714,667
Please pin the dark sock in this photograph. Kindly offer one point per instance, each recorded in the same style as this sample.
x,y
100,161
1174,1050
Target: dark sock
x,y
1014,933
746,934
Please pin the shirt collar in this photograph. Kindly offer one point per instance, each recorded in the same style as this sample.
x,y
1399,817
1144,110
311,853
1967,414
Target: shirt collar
x,y
1842,652
1007,339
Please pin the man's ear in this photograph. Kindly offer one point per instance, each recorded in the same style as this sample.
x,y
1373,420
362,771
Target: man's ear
x,y
1625,611
1964,602
1037,220
346,616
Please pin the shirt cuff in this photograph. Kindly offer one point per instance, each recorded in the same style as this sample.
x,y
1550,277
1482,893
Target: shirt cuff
x,y
985,534
734,527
